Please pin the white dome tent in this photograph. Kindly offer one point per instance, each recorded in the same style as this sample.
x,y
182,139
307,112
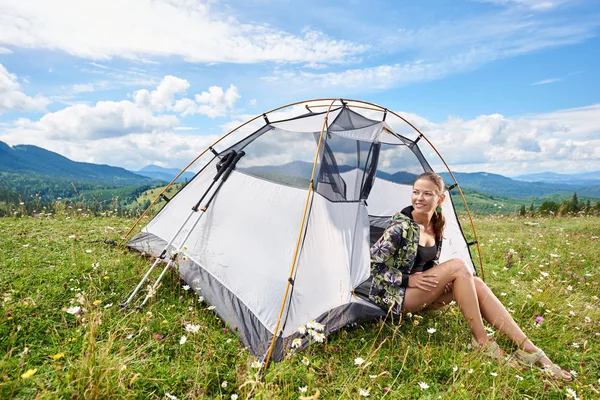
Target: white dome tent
x,y
276,227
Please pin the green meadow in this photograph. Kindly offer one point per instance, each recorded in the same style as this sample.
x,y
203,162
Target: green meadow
x,y
64,336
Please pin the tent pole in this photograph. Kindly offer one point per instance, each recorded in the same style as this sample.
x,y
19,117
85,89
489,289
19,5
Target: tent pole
x,y
300,234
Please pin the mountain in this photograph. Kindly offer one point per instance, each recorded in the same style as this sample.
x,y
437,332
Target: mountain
x,y
499,185
586,178
164,174
31,170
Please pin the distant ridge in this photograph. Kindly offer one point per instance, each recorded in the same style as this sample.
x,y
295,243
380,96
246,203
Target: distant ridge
x,y
499,185
164,174
586,178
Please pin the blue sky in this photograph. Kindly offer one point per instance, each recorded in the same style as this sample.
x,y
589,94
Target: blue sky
x,y
505,86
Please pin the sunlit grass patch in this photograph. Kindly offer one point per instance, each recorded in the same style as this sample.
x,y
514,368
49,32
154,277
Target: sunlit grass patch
x,y
63,334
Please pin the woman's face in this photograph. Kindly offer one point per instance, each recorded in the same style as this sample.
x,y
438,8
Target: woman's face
x,y
425,197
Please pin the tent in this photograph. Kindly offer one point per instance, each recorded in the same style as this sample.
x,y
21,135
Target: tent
x,y
285,238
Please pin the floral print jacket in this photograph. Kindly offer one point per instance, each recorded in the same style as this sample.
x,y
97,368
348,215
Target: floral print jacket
x,y
392,260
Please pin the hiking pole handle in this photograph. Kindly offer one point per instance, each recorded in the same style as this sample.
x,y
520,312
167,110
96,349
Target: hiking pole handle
x,y
224,164
231,166
225,176
221,167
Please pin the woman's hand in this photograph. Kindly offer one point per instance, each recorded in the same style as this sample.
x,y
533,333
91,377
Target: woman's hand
x,y
448,287
424,281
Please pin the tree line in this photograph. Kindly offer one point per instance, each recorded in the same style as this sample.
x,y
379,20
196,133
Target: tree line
x,y
572,206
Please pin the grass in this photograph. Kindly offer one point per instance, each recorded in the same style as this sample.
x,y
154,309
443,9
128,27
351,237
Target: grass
x,y
542,267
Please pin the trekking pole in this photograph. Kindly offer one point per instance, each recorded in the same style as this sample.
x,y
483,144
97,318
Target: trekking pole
x,y
221,168
197,207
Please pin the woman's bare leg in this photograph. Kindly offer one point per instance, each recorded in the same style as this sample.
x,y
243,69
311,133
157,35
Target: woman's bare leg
x,y
498,316
465,294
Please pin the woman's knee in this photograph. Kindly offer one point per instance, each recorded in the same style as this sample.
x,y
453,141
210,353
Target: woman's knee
x,y
460,268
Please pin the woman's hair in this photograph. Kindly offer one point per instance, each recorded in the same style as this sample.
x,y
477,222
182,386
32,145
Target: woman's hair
x,y
438,220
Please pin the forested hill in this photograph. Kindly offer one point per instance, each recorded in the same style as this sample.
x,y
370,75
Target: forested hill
x,y
28,170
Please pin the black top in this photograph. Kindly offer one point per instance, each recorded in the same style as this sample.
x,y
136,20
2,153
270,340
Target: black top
x,y
424,258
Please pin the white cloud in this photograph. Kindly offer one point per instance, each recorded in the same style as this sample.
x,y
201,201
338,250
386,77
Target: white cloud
x,y
194,30
4,50
11,98
539,5
217,102
444,48
546,81
104,119
161,98
561,141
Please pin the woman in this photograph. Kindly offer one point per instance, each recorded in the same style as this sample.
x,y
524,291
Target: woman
x,y
408,278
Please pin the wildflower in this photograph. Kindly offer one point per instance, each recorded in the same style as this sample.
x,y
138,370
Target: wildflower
x,y
319,337
588,319
315,325
57,356
210,308
29,373
123,367
573,373
170,396
470,371
88,251
76,310
149,314
302,389
257,364
200,299
234,396
571,313
363,392
502,294
186,287
224,384
305,361
109,305
158,336
106,277
571,394
129,336
569,287
358,361
431,330
183,340
97,302
575,344
423,385
493,373
519,377
455,368
373,376
192,328
296,343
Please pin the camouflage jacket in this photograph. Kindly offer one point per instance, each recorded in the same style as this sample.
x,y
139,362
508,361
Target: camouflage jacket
x,y
393,256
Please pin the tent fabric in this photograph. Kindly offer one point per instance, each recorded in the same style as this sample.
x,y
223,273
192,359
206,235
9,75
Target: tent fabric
x,y
240,250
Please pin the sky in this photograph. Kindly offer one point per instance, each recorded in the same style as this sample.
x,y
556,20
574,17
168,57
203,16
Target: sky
x,y
503,86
